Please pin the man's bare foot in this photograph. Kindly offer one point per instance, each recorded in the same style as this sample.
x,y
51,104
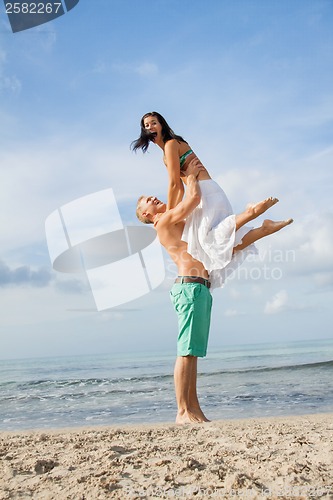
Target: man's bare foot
x,y
190,417
261,207
270,226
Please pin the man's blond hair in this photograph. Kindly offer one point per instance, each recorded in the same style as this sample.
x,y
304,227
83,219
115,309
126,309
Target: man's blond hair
x,y
142,218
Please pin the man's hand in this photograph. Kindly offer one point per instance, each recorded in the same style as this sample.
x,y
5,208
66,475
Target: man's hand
x,y
194,167
187,205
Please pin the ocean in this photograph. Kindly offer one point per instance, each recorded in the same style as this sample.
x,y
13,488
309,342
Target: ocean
x,y
233,382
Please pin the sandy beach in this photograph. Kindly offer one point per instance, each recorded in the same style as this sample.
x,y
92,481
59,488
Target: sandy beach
x,y
282,457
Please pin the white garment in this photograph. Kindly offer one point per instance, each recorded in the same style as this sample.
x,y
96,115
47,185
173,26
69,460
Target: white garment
x,y
210,233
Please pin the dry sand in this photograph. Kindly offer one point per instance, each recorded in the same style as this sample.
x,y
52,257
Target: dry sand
x,y
273,458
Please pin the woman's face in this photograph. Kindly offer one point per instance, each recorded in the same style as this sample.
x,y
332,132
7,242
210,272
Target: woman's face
x,y
152,125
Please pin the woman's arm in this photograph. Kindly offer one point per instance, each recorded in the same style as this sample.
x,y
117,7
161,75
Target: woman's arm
x,y
186,206
176,187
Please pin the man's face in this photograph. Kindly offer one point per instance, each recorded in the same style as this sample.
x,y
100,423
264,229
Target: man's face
x,y
151,205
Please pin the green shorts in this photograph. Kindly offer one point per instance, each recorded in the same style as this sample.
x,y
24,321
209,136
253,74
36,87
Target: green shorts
x,y
193,304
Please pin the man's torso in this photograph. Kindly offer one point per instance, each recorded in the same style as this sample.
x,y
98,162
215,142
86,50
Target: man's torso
x,y
170,237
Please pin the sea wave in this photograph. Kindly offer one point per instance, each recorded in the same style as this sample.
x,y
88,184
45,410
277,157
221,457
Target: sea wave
x,y
103,382
306,366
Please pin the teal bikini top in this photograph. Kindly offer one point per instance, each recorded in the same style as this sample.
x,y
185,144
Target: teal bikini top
x,y
183,157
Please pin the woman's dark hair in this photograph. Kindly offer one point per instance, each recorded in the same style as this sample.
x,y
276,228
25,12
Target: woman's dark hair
x,y
146,137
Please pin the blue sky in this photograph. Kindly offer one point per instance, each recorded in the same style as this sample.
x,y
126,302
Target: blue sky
x,y
248,83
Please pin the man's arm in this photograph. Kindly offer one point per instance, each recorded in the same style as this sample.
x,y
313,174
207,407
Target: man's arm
x,y
187,205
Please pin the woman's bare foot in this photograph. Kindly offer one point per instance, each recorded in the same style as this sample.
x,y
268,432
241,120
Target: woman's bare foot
x,y
270,226
190,417
253,211
261,207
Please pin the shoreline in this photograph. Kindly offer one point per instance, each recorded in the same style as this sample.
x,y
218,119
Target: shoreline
x,y
266,457
156,425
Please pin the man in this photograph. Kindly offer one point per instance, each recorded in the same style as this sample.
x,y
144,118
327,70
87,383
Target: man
x,y
190,294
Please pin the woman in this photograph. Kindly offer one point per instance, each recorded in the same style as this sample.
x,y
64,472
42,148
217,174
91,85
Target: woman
x,y
214,234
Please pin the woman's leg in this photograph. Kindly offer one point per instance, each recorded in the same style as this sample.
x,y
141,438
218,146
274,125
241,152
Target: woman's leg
x,y
268,227
253,211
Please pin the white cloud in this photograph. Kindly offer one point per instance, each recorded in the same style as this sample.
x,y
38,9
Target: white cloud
x,y
143,69
8,82
277,304
319,244
47,36
312,240
147,69
38,177
3,56
232,312
249,186
234,293
100,67
323,280
24,275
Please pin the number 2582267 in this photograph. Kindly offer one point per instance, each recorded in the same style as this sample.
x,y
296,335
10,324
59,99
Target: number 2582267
x,y
32,8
